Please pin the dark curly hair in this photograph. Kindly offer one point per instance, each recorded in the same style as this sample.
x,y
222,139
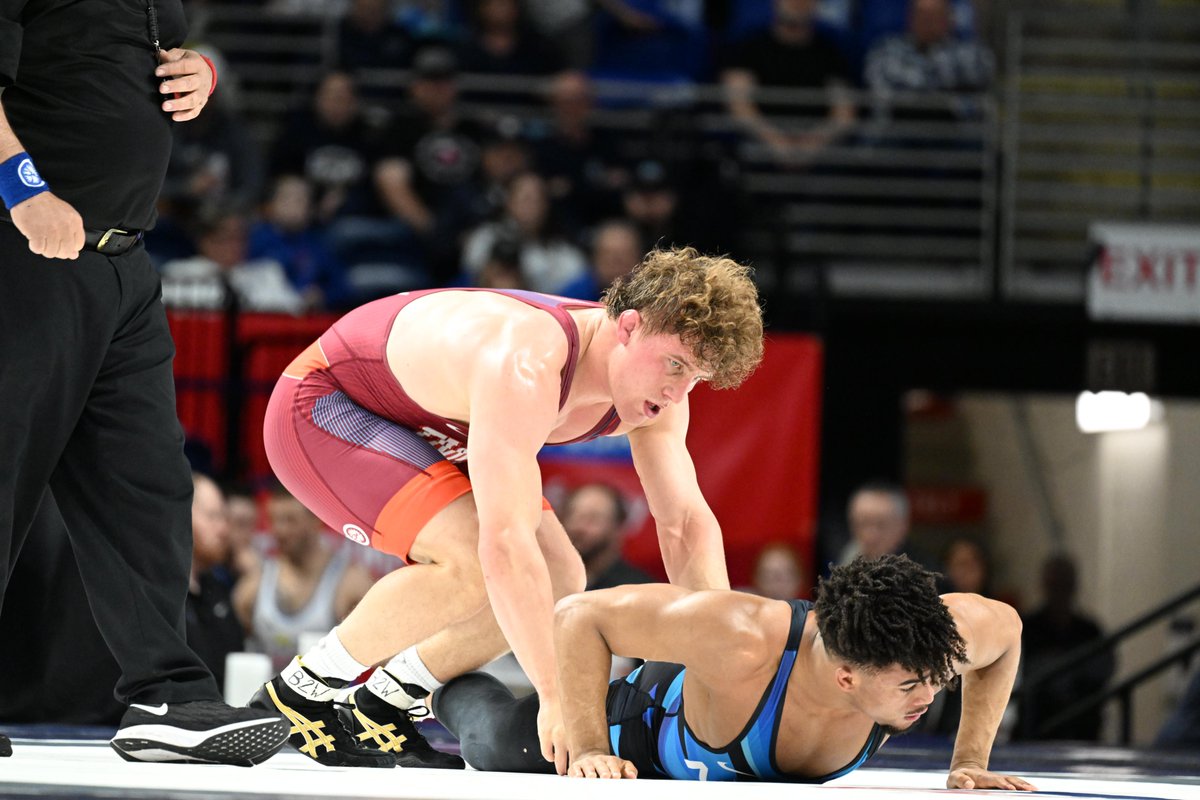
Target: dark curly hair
x,y
878,612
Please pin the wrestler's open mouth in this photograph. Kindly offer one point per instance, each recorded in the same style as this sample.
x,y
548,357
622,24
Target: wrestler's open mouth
x,y
652,409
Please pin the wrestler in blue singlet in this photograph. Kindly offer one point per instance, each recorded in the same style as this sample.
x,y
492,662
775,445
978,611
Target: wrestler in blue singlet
x,y
647,725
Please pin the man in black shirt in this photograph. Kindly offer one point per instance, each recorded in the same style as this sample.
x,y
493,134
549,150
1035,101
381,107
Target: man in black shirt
x,y
85,381
435,156
1050,633
594,517
792,54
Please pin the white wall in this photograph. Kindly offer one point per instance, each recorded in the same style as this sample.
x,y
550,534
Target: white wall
x,y
1128,504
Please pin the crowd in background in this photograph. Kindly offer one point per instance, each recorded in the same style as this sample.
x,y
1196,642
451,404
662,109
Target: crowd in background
x,y
362,194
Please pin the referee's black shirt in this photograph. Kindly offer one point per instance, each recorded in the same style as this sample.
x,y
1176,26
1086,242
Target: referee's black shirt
x,y
81,95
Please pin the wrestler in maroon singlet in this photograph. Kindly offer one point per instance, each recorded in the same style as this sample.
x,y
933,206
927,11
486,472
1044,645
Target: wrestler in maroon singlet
x,y
346,439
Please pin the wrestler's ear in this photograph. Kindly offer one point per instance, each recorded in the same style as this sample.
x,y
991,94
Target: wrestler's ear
x,y
846,678
629,321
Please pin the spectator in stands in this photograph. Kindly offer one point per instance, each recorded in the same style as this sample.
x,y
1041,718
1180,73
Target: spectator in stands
x,y
548,260
780,573
502,269
503,154
434,155
967,567
339,146
335,145
874,20
927,60
221,265
368,37
878,515
1050,633
651,202
581,163
792,54
616,250
214,163
501,42
594,516
309,585
662,41
213,630
567,26
247,542
287,234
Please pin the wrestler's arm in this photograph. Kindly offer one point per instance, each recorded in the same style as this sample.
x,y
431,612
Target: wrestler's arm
x,y
513,392
991,631
689,535
722,637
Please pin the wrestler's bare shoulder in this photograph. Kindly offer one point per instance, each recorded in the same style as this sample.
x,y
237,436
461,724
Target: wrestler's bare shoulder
x,y
469,322
440,340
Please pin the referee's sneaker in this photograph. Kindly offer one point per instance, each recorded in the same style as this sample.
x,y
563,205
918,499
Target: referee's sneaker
x,y
200,731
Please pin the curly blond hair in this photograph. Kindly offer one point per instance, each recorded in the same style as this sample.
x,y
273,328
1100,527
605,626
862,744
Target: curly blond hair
x,y
710,302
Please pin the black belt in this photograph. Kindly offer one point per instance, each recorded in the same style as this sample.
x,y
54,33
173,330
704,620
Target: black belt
x,y
112,242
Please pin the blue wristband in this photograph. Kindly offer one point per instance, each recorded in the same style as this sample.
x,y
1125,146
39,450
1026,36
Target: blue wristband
x,y
19,180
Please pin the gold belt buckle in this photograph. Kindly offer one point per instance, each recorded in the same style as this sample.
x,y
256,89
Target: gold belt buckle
x,y
107,235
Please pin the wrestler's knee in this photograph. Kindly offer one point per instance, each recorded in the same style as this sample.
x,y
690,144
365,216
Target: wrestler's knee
x,y
451,542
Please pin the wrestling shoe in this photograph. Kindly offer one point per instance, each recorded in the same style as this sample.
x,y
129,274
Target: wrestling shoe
x,y
202,731
316,731
376,723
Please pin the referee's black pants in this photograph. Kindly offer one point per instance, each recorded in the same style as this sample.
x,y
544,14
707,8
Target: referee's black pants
x,y
87,412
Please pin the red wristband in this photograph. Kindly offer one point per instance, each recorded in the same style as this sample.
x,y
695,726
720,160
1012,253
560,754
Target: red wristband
x,y
213,67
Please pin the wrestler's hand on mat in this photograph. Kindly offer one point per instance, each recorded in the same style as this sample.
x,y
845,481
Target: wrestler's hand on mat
x,y
52,226
552,735
975,778
185,79
601,765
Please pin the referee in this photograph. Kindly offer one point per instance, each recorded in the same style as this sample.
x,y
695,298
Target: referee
x,y
90,89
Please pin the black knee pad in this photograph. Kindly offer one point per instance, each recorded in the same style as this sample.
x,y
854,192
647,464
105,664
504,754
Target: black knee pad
x,y
497,731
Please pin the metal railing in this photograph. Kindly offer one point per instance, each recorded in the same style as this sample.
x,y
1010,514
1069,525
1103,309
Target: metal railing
x,y
1102,123
1034,726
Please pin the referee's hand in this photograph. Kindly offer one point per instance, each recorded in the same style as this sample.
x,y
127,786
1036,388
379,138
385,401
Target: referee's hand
x,y
54,229
185,80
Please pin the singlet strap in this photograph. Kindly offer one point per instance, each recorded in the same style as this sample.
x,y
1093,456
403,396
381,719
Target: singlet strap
x,y
800,609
